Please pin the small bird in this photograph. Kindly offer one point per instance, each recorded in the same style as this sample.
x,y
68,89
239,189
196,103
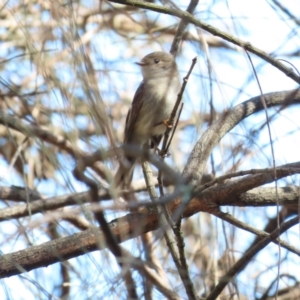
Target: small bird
x,y
153,102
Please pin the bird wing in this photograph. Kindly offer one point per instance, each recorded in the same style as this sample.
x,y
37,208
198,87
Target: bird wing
x,y
133,113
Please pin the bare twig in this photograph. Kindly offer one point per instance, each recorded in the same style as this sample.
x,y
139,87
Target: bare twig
x,y
174,111
177,254
18,194
259,233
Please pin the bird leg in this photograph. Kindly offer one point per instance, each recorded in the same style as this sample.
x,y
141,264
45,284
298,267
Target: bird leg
x,y
154,144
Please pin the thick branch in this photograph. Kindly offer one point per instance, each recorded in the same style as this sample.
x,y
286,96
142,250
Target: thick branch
x,y
198,158
124,228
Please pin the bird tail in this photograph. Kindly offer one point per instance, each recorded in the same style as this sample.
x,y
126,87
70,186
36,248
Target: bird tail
x,y
124,175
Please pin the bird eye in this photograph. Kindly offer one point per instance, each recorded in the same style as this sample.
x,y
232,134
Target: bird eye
x,y
156,60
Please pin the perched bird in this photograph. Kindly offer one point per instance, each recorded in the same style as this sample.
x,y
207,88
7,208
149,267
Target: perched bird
x,y
153,102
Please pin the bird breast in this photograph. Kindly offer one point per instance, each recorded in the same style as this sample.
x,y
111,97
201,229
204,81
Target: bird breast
x,y
158,106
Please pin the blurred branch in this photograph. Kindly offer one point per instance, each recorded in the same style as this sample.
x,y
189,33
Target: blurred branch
x,y
18,194
61,142
142,267
291,292
98,108
286,211
124,228
64,270
109,236
152,259
224,35
258,197
287,12
37,132
292,168
229,193
237,187
181,28
77,221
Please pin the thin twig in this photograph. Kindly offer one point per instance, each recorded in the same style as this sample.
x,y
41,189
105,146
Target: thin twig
x,y
166,141
174,111
175,126
178,255
259,233
287,12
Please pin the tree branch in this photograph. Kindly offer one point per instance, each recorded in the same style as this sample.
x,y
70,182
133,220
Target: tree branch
x,y
196,164
224,35
248,255
181,28
124,228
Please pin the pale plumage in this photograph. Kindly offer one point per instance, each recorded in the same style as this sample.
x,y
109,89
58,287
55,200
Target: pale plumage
x,y
151,106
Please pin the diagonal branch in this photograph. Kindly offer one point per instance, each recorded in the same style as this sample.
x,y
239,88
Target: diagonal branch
x,y
259,233
224,35
248,255
181,28
196,164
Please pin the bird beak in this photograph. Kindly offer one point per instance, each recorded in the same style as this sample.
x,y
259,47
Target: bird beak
x,y
141,63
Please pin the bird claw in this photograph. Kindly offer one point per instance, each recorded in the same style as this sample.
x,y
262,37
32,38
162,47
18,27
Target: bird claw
x,y
163,155
168,125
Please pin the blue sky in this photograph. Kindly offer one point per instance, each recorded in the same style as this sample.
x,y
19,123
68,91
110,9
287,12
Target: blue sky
x,y
253,21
